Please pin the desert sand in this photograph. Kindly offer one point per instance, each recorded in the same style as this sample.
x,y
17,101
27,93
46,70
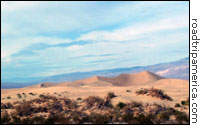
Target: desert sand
x,y
99,86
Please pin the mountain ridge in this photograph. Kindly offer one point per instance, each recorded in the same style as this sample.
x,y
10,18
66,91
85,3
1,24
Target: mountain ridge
x,y
168,70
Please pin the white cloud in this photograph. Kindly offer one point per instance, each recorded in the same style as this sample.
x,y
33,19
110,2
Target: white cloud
x,y
12,46
5,57
74,47
15,5
138,30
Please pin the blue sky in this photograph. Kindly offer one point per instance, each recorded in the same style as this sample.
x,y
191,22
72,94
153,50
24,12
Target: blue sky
x,y
41,39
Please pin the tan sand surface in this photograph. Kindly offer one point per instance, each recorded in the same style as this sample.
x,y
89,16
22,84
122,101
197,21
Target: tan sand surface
x,y
99,86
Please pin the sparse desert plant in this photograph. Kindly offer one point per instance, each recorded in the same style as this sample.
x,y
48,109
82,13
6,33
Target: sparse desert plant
x,y
135,104
9,97
32,94
38,120
165,114
47,97
5,118
24,95
93,101
97,118
111,95
7,105
57,118
121,105
53,110
71,104
24,108
181,117
154,93
79,117
116,115
187,102
128,118
15,119
177,105
183,102
19,95
79,98
142,92
148,119
128,90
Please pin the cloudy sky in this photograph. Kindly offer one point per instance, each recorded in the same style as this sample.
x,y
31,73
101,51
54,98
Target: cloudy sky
x,y
41,39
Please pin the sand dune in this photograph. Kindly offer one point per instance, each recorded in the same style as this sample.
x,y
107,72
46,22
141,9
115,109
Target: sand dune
x,y
121,80
99,86
132,79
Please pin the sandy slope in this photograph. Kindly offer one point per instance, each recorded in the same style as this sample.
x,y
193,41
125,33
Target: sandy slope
x,y
100,86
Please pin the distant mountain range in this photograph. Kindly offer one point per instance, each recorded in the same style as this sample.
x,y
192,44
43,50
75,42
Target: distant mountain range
x,y
178,69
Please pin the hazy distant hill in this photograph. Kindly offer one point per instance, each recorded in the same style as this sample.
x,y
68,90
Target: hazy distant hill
x,y
178,69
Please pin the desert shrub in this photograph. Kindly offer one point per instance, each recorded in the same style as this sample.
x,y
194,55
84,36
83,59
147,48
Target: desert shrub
x,y
121,105
38,120
116,115
19,95
140,119
47,97
187,102
142,91
181,116
24,108
79,117
97,118
32,94
128,118
16,119
135,104
111,95
165,114
38,100
145,119
7,106
5,118
183,102
128,90
8,97
79,98
71,104
93,101
27,120
154,93
57,107
57,118
24,94
177,105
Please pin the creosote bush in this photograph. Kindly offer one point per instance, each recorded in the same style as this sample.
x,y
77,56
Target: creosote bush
x,y
177,105
154,93
19,95
128,90
121,105
111,95
93,110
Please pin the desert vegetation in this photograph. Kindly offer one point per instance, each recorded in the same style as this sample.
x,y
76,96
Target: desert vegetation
x,y
47,109
154,93
19,95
